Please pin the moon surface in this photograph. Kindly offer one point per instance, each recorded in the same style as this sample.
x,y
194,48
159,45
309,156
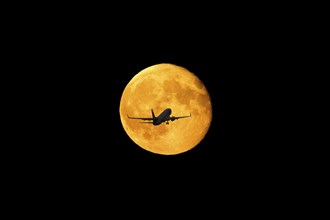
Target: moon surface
x,y
164,86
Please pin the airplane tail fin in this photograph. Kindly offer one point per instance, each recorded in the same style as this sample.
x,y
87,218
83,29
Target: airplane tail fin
x,y
153,114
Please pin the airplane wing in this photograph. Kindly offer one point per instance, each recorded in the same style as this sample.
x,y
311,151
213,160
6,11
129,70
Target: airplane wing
x,y
145,119
178,117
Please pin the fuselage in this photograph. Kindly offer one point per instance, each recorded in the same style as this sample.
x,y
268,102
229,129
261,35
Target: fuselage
x,y
162,117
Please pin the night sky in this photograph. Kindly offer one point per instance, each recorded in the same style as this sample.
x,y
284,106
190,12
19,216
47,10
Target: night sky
x,y
104,79
75,66
83,77
88,83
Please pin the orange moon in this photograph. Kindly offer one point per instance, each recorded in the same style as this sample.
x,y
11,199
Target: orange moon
x,y
164,86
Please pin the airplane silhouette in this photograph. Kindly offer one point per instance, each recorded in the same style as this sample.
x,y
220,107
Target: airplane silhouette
x,y
163,117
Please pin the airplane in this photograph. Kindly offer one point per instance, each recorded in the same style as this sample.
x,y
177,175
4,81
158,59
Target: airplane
x,y
162,117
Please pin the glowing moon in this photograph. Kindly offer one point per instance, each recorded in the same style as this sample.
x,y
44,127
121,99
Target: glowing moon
x,y
164,86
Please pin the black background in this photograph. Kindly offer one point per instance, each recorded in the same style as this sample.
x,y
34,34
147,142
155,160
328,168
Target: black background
x,y
79,71
70,65
87,75
74,67
78,65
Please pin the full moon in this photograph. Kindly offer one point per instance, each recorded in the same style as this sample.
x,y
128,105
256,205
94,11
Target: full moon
x,y
159,87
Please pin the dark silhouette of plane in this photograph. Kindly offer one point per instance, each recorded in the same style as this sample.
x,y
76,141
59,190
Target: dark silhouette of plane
x,y
163,117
